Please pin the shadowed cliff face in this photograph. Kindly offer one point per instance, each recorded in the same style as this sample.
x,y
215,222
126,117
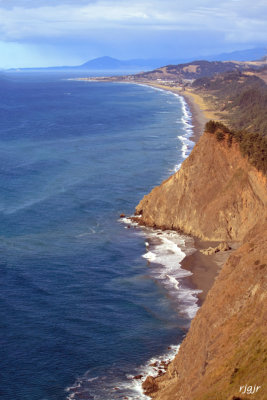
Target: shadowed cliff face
x,y
216,195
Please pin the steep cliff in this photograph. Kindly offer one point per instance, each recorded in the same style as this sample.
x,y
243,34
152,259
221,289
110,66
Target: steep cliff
x,y
226,347
216,195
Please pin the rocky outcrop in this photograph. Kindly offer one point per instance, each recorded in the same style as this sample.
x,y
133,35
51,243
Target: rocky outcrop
x,y
216,195
224,246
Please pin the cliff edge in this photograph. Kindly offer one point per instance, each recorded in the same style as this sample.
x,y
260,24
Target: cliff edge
x,y
216,195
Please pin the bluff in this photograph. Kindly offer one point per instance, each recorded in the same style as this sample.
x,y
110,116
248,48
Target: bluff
x,y
218,195
226,346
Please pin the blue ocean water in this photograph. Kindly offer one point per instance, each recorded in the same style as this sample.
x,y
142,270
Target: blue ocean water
x,y
80,308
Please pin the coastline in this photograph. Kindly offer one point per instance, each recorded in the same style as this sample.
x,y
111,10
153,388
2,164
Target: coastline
x,y
197,109
210,359
203,268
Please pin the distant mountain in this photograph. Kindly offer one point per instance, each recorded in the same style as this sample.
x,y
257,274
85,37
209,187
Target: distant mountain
x,y
103,63
241,55
107,63
110,63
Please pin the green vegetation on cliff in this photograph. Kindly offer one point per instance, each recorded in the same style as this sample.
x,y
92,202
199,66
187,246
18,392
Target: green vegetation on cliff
x,y
252,145
243,97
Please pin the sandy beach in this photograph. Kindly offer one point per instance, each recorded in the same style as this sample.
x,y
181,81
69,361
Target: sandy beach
x,y
205,268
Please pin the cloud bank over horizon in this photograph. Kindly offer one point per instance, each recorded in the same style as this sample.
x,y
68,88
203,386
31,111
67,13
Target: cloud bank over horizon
x,y
58,32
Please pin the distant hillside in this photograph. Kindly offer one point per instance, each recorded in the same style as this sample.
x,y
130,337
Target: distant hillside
x,y
113,63
194,70
240,55
110,63
240,97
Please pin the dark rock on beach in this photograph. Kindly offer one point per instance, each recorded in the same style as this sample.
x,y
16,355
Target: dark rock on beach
x,y
138,377
150,386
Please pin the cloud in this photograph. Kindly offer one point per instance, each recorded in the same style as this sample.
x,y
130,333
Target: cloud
x,y
27,19
9,4
58,32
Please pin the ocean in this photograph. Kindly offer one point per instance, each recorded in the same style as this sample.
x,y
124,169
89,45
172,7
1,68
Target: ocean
x,y
88,300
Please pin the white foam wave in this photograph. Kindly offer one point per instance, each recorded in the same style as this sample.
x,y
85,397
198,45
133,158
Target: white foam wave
x,y
153,87
187,127
164,254
108,386
150,256
153,367
173,281
185,121
128,221
165,251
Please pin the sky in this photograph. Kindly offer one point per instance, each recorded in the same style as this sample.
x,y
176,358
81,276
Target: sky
x,y
40,33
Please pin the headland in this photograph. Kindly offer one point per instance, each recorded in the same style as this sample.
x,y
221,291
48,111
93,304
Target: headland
x,y
219,197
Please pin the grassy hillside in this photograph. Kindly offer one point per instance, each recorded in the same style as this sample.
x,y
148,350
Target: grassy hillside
x,y
242,97
192,70
252,145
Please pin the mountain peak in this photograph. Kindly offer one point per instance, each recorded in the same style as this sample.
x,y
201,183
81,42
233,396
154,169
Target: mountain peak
x,y
103,62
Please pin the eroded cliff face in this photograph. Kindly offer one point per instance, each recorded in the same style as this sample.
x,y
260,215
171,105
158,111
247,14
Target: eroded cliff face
x,y
216,195
226,346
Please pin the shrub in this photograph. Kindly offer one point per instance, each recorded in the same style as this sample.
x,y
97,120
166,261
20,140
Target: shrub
x,y
252,145
210,126
219,135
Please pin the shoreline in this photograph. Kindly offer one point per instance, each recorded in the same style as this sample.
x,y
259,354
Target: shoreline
x,y
199,117
204,268
198,108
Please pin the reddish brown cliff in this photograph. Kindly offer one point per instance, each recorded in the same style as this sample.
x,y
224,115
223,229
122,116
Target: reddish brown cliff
x,y
226,346
216,195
